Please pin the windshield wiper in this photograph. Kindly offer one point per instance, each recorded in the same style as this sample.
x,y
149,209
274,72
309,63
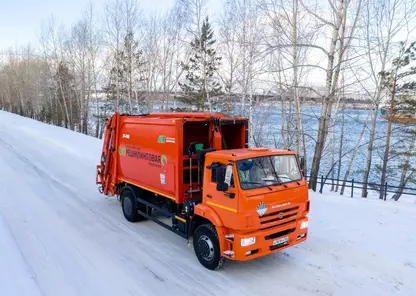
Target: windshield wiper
x,y
279,183
275,173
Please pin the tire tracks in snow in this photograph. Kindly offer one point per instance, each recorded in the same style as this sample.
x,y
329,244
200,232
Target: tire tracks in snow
x,y
130,237
42,245
5,228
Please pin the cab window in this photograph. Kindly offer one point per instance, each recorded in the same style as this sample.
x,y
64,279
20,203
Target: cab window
x,y
214,178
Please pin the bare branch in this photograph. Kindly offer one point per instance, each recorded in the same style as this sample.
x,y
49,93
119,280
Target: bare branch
x,y
316,15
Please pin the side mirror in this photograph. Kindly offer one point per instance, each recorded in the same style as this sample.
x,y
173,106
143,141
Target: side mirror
x,y
221,176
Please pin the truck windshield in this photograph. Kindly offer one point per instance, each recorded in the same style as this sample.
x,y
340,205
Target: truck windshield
x,y
267,171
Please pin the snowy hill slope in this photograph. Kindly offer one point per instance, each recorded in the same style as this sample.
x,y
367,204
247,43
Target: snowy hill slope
x,y
59,236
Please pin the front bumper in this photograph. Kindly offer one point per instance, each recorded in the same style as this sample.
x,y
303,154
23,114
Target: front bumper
x,y
267,241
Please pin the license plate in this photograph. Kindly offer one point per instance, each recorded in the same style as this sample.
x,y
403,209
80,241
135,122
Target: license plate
x,y
281,241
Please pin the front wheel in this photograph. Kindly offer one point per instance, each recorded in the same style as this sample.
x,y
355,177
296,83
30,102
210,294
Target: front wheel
x,y
207,247
130,206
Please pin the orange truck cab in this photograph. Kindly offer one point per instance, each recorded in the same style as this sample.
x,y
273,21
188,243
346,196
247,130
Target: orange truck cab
x,y
235,202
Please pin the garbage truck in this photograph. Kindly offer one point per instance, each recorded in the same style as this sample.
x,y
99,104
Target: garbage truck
x,y
195,175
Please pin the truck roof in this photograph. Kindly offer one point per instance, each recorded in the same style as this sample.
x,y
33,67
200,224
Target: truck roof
x,y
237,154
184,115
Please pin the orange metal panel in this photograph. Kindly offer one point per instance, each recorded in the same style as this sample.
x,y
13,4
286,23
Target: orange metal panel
x,y
148,154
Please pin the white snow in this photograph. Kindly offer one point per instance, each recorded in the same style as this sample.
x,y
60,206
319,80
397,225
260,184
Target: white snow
x,y
59,236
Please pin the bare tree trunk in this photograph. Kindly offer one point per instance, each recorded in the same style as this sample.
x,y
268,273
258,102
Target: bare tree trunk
x,y
332,78
244,53
340,150
295,74
333,158
130,78
387,149
403,180
66,108
114,18
97,110
347,173
369,152
229,29
305,165
250,112
206,91
320,144
283,103
325,108
288,117
283,132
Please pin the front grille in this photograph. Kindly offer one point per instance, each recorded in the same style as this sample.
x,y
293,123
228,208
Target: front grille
x,y
277,219
282,217
281,224
278,212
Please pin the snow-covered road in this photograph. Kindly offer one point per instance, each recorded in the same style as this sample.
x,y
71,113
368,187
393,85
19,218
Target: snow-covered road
x,y
59,236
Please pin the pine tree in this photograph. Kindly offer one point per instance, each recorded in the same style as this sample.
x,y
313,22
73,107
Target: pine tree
x,y
405,152
395,82
406,158
201,85
126,77
132,63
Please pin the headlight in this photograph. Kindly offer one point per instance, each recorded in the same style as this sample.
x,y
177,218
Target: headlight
x,y
304,225
248,241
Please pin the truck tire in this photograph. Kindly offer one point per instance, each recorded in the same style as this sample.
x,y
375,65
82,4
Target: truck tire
x,y
207,247
130,206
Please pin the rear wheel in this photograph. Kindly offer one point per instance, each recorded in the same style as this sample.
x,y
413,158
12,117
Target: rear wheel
x,y
207,247
130,205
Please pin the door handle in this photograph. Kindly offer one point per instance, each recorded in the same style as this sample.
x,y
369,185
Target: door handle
x,y
230,194
209,195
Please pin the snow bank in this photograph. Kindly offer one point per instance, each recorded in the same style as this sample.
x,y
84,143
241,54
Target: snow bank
x,y
59,236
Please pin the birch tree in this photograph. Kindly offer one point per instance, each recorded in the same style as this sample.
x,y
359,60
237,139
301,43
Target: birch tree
x,y
152,51
229,27
22,83
52,50
114,38
94,44
174,48
196,10
290,31
253,59
352,156
340,150
344,15
121,18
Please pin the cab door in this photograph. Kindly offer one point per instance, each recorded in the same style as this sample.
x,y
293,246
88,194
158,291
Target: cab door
x,y
225,203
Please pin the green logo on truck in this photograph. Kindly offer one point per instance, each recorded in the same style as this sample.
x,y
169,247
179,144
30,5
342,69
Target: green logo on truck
x,y
161,139
122,151
163,160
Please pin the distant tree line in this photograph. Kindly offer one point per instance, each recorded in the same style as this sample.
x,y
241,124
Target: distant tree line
x,y
252,52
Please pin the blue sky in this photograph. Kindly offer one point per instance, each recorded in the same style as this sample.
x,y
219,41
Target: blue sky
x,y
20,20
